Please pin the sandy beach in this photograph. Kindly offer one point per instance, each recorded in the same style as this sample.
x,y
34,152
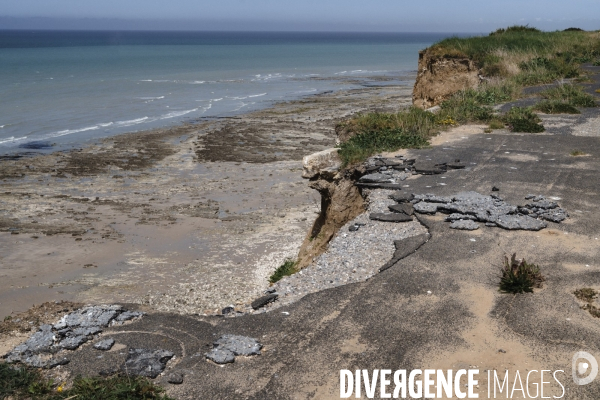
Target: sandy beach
x,y
189,219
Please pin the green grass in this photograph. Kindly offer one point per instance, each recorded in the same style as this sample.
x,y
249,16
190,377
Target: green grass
x,y
26,383
521,119
519,276
286,269
556,107
577,153
496,124
373,133
474,105
571,94
526,54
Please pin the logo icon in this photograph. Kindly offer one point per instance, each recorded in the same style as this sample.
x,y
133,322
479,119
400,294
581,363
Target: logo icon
x,y
581,368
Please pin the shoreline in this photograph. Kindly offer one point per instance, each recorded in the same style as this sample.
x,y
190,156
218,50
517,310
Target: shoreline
x,y
204,212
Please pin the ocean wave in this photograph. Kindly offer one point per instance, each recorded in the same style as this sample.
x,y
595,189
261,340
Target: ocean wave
x,y
268,77
12,139
306,91
131,121
71,131
245,97
176,114
178,81
2,126
151,98
216,99
360,71
243,105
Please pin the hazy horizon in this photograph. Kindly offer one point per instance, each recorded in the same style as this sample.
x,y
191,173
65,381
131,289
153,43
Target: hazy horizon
x,y
308,15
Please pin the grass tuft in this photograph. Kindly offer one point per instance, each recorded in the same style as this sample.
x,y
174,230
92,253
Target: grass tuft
x,y
376,132
521,119
576,153
588,295
19,382
286,269
519,276
556,107
571,94
495,123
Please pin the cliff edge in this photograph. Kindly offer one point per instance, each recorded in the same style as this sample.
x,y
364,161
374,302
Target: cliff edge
x,y
439,77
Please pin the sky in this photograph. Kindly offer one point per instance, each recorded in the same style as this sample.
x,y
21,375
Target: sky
x,y
300,15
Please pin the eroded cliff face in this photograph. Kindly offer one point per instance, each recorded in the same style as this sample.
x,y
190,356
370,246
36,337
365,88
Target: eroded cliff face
x,y
439,77
341,201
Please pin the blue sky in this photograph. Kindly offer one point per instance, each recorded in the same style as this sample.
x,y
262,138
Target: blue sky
x,y
324,15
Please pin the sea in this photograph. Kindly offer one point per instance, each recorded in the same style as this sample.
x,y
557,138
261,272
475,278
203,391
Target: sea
x,y
63,89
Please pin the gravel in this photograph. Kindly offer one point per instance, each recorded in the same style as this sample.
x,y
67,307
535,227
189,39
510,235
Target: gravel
x,y
352,255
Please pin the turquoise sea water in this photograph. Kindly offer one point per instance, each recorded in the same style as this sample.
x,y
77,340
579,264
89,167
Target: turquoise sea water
x,y
68,88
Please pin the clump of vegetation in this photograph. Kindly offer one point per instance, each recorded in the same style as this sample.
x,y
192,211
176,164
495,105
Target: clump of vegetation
x,y
519,276
556,107
21,382
412,128
525,54
462,107
376,132
286,269
521,119
495,123
573,29
588,295
473,105
570,94
596,63
515,28
576,153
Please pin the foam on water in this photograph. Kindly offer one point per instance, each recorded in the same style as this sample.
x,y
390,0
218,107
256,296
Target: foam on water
x,y
227,73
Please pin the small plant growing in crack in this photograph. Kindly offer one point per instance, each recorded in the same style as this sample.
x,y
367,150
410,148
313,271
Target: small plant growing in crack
x,y
588,295
519,276
286,269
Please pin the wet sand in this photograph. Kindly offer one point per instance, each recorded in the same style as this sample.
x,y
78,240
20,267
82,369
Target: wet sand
x,y
189,219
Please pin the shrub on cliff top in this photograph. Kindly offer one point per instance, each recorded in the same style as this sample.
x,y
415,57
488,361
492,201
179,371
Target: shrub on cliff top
x,y
508,52
368,134
513,29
